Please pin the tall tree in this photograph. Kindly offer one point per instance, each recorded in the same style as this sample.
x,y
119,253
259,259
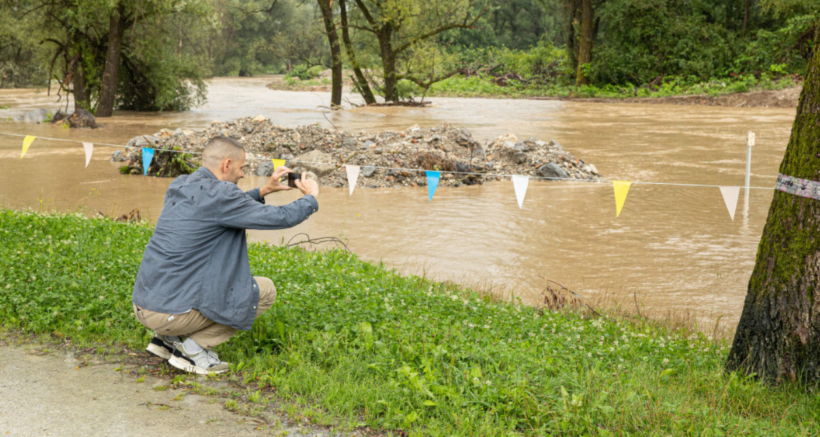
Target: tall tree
x,y
778,337
585,41
361,81
326,7
402,26
110,79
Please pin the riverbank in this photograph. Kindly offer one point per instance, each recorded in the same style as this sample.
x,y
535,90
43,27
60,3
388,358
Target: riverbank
x,y
743,92
355,343
387,159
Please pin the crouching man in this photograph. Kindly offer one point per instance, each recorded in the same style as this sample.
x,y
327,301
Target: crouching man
x,y
195,280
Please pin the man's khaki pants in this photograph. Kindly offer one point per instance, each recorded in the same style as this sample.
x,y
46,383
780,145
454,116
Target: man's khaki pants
x,y
197,327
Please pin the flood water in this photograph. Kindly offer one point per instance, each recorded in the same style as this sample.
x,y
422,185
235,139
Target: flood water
x,y
674,248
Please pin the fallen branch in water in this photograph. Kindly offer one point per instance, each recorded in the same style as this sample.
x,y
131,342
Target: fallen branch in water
x,y
317,241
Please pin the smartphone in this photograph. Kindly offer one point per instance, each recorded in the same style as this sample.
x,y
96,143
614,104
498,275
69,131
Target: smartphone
x,y
292,177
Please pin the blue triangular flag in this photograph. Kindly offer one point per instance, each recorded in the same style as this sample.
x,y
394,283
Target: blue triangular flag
x,y
432,182
147,157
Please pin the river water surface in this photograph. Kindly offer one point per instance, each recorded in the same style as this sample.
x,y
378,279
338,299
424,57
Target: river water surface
x,y
674,248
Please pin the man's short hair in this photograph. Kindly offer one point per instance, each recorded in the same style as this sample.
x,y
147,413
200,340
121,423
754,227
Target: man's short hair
x,y
219,148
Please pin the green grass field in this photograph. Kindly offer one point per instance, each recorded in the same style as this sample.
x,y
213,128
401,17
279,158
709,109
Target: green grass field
x,y
357,344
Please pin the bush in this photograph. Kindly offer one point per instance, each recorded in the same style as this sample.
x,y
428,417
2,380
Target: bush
x,y
315,71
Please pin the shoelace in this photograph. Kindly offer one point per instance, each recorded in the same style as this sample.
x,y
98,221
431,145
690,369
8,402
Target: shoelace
x,y
212,355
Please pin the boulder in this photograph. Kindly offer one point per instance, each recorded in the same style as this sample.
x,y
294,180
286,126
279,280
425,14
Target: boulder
x,y
368,170
265,169
349,143
178,133
592,169
117,156
80,118
554,144
317,162
552,170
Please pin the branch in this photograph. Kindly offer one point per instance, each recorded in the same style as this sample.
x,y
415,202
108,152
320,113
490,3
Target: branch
x,y
462,25
366,13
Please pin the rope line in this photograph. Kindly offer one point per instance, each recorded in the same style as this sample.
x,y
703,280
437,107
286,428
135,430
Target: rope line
x,y
598,181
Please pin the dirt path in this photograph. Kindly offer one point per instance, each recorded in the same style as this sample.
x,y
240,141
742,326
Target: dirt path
x,y
50,394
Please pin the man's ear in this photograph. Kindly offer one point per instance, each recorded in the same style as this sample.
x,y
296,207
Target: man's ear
x,y
226,165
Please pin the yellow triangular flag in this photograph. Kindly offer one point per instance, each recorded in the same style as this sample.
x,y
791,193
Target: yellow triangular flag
x,y
278,163
26,144
621,190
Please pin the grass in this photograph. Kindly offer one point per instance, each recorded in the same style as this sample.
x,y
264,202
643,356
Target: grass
x,y
474,86
355,344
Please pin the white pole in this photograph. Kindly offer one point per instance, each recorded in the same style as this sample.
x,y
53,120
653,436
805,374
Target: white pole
x,y
750,142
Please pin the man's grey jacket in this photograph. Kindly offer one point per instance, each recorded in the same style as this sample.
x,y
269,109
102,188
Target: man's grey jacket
x,y
198,255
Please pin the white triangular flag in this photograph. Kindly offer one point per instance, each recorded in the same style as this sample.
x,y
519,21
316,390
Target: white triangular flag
x,y
520,184
352,176
89,147
730,195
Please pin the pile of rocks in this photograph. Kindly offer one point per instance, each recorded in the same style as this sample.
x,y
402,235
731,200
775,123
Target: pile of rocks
x,y
387,159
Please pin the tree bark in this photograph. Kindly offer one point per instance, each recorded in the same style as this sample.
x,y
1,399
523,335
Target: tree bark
x,y
778,337
388,63
585,44
335,52
363,86
571,42
745,16
108,91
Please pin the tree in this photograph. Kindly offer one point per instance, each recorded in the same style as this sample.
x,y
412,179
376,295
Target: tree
x,y
585,42
326,7
778,336
361,81
402,26
138,54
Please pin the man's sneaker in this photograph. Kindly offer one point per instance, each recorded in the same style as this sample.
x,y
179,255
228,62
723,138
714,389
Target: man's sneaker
x,y
204,362
162,345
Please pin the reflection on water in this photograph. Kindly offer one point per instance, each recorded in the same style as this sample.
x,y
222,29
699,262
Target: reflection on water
x,y
674,248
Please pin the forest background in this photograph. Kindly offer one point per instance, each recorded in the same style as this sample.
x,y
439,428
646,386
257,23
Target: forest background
x,y
156,55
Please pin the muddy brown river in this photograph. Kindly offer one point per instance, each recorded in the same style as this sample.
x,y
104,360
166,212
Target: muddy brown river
x,y
673,248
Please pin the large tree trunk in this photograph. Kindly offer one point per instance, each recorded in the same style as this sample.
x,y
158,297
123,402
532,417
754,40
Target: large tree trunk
x,y
363,86
745,16
108,91
778,337
572,44
79,88
388,63
585,44
335,52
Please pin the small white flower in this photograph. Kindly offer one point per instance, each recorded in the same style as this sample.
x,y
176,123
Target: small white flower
x,y
665,361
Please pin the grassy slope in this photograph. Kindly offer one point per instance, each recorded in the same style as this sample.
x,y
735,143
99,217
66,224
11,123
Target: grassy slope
x,y
458,86
365,345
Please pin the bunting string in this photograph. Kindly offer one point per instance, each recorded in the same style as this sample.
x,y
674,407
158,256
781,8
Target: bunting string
x,y
730,194
501,175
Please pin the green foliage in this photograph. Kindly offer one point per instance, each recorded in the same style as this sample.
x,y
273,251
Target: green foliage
x,y
299,71
22,57
315,71
354,341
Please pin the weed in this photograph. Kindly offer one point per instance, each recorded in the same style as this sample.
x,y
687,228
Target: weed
x,y
352,342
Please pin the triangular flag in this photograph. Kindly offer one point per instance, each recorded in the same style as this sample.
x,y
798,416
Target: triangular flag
x,y
352,176
432,183
26,144
621,190
89,147
730,195
277,163
147,157
520,184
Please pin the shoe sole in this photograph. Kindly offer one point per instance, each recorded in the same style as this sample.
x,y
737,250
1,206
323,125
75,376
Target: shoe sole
x,y
158,351
190,368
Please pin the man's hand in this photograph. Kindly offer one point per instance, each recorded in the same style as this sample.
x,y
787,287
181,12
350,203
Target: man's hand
x,y
273,184
308,186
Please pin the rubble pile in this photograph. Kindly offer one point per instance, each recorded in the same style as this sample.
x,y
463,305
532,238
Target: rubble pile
x,y
387,159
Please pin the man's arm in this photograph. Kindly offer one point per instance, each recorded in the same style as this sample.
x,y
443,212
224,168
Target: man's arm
x,y
240,210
